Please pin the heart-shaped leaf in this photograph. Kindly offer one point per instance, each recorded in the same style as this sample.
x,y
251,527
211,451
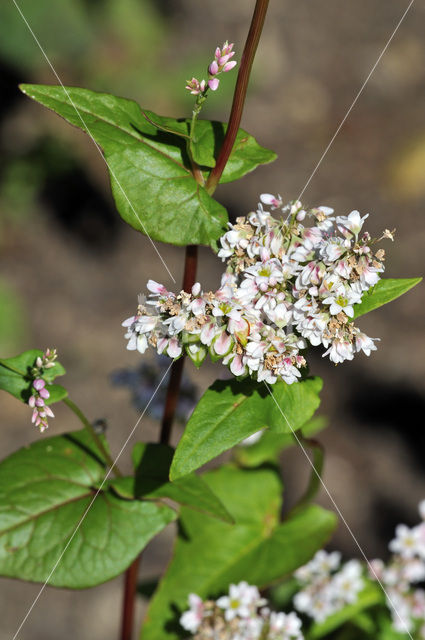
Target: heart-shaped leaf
x,y
230,411
52,520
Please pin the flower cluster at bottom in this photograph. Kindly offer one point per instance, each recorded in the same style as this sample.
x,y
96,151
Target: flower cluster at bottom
x,y
401,574
324,588
241,615
286,286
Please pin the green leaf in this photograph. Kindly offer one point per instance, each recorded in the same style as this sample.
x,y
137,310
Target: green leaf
x,y
206,142
152,463
45,491
271,444
246,154
16,378
257,548
370,596
384,291
154,190
230,411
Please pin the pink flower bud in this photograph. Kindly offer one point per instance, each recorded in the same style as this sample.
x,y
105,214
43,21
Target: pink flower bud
x,y
39,362
31,401
213,84
44,393
49,412
38,384
34,415
39,402
213,68
229,65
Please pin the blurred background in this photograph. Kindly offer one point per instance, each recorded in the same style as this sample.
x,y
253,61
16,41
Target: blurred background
x,y
71,269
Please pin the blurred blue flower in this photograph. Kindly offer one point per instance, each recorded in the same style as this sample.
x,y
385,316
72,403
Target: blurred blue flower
x,y
144,379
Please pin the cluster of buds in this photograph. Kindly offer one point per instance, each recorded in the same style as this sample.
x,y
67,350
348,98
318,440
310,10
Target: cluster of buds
x,y
286,286
39,393
221,64
401,574
242,614
326,586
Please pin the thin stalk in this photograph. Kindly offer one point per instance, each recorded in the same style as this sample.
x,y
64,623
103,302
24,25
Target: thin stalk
x,y
129,600
239,96
71,405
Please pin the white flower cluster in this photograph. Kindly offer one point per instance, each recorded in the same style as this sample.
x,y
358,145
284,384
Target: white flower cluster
x,y
405,569
241,615
286,286
327,587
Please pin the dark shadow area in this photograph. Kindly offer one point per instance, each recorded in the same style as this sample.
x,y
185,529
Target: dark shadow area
x,y
390,407
80,209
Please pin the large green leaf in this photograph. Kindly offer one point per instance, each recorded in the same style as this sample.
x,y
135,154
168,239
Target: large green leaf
x,y
210,554
152,465
16,378
45,490
230,411
154,190
384,291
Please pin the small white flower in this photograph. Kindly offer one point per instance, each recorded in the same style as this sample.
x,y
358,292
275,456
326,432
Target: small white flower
x,y
191,619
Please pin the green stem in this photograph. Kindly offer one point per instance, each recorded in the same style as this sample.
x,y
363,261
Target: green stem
x,y
316,471
71,405
239,96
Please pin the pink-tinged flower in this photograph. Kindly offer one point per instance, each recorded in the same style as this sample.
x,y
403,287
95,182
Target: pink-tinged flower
x,y
364,343
156,288
39,384
191,619
213,68
213,84
352,223
195,87
222,345
174,349
271,200
237,366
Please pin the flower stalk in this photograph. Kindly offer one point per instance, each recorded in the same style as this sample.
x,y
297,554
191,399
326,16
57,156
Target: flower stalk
x,y
239,96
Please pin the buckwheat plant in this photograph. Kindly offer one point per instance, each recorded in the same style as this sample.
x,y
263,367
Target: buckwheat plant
x,y
296,278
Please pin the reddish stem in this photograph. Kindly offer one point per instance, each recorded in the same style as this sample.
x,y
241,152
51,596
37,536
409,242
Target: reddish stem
x,y
239,96
177,366
129,601
130,578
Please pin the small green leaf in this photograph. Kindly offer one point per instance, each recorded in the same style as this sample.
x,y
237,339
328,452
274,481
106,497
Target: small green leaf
x,y
246,154
206,142
384,291
152,463
230,411
45,491
271,444
154,189
16,378
257,548
370,596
